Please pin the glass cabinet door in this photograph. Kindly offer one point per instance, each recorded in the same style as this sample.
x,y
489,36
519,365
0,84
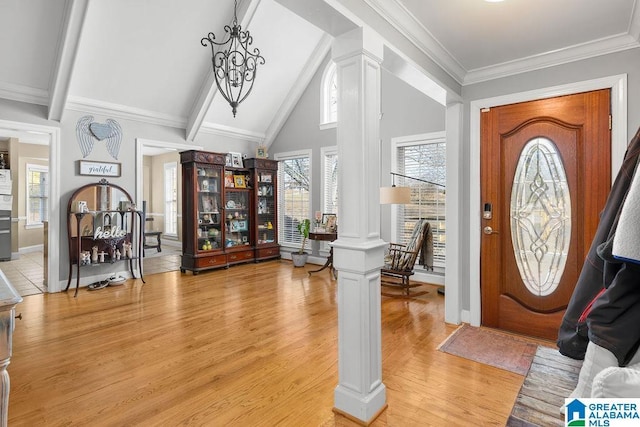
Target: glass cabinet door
x,y
266,208
238,218
208,199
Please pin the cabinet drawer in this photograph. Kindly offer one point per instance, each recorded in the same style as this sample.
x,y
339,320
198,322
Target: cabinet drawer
x,y
239,256
210,261
268,252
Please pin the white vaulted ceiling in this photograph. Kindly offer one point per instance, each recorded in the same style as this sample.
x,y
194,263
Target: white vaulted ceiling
x,y
142,59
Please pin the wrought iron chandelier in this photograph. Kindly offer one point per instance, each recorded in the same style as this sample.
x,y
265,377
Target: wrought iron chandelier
x,y
234,67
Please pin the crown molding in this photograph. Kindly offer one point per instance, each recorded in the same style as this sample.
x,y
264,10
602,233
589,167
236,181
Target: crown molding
x,y
125,112
231,132
26,94
410,27
550,59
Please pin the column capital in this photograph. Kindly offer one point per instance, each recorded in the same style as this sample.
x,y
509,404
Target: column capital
x,y
360,41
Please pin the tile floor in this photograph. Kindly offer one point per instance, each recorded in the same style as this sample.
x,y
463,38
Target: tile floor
x,y
27,273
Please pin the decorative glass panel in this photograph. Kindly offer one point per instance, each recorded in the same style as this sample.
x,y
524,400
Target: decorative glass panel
x,y
540,216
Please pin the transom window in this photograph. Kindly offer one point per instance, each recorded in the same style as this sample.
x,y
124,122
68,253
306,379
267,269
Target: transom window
x,y
329,97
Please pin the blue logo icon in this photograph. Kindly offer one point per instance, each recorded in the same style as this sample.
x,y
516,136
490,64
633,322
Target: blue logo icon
x,y
575,414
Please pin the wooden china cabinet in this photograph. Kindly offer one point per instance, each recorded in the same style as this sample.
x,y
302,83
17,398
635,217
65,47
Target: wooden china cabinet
x,y
229,214
202,211
264,176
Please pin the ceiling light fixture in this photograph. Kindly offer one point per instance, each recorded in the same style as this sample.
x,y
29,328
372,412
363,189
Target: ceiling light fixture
x,y
234,67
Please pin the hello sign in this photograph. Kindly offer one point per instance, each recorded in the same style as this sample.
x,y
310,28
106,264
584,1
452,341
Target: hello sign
x,y
109,232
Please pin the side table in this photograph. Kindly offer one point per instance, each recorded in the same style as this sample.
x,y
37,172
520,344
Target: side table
x,y
325,237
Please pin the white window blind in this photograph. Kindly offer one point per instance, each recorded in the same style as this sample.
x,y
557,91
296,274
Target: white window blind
x,y
294,196
171,198
330,180
425,161
38,194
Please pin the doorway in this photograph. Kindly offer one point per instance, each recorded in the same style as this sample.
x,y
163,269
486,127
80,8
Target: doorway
x,y
545,176
152,159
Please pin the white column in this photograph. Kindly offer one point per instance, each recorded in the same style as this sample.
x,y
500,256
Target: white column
x,y
359,251
454,206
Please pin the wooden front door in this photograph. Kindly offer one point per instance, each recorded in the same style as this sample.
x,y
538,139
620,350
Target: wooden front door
x,y
545,177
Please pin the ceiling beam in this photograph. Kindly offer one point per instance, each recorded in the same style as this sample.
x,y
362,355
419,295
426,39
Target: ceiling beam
x,y
74,17
208,90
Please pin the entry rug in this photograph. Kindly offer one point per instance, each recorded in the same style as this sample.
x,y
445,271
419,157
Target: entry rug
x,y
490,347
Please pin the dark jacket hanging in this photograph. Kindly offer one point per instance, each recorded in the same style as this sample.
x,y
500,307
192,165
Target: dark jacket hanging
x,y
605,305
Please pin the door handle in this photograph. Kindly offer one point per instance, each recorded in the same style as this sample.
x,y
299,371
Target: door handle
x,y
489,230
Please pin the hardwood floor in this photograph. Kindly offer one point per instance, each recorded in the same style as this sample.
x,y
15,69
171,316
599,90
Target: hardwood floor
x,y
253,345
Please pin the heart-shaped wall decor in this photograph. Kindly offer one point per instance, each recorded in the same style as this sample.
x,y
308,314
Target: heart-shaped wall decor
x,y
101,130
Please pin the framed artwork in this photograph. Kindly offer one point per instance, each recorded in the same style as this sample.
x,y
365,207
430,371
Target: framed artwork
x,y
228,161
261,152
236,160
228,179
238,181
98,168
330,222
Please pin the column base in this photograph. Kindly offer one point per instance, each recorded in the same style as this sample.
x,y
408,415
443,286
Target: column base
x,y
362,410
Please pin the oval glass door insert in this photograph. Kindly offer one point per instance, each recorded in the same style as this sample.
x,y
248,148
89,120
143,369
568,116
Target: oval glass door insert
x,y
540,216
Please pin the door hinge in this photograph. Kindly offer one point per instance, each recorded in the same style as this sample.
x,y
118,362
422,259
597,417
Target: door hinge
x,y
485,110
610,121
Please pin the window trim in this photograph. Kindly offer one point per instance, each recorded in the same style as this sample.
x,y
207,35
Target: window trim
x,y
40,168
166,166
329,74
289,155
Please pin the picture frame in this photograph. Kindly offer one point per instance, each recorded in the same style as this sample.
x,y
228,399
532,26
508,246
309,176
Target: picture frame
x,y
207,204
228,161
236,160
237,225
261,152
92,168
239,182
228,179
265,177
330,222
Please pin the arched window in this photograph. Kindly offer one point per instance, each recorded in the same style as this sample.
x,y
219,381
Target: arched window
x,y
329,97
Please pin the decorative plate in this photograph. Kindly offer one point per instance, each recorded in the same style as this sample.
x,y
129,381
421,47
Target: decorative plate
x,y
231,204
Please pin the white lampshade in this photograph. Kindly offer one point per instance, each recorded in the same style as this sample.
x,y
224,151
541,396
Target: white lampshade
x,y
395,195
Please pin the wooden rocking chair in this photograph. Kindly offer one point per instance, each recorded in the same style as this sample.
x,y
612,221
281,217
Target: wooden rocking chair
x,y
400,260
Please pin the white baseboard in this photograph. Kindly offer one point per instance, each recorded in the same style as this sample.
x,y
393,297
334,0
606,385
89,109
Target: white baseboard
x,y
30,249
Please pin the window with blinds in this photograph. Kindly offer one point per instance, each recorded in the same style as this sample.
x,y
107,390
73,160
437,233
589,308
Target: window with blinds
x,y
426,161
294,195
38,194
171,199
330,180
